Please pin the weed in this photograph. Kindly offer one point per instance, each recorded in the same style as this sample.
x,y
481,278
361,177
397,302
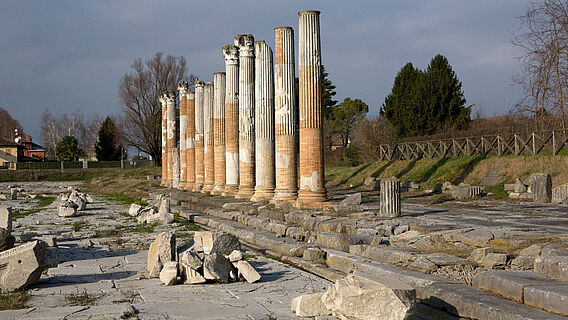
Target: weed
x,y
82,299
13,301
249,256
273,257
120,197
24,213
497,192
77,226
189,226
141,202
45,201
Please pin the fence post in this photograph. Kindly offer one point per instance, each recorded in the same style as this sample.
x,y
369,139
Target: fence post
x,y
533,144
62,166
553,143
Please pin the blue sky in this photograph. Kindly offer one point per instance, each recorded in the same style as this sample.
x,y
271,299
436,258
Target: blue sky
x,y
69,55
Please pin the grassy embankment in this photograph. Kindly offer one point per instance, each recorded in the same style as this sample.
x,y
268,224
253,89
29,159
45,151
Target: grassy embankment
x,y
471,170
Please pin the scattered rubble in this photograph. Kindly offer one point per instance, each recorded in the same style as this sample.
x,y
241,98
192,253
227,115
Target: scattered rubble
x,y
465,191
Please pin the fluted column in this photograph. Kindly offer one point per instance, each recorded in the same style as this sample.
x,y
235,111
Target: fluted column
x,y
175,168
285,116
219,131
190,140
312,175
182,90
231,55
390,198
171,132
164,182
199,159
208,138
264,123
245,42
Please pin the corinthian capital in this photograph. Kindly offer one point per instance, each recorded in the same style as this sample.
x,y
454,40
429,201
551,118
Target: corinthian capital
x,y
199,84
245,42
182,88
170,97
231,54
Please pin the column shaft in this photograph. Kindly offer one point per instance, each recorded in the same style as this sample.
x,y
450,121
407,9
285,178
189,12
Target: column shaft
x,y
231,55
171,132
199,158
285,116
246,115
164,142
264,123
190,141
312,175
219,131
182,89
175,168
208,138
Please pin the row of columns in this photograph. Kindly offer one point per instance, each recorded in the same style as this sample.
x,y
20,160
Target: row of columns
x,y
238,134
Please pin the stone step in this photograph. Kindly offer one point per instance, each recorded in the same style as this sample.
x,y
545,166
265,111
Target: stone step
x,y
552,267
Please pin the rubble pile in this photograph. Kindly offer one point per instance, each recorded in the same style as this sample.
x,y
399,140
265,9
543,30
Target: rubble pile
x,y
537,187
149,214
69,204
213,257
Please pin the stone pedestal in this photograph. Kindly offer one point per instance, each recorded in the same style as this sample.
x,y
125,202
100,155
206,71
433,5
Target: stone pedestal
x,y
208,138
190,141
171,133
219,132
176,168
312,176
245,42
231,55
199,158
285,117
390,198
182,88
264,123
164,182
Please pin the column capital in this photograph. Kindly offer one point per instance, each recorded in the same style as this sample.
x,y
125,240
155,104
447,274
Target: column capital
x,y
199,84
231,54
170,97
162,100
245,42
309,12
183,88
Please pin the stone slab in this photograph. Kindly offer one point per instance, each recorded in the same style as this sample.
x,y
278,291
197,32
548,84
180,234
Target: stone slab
x,y
551,298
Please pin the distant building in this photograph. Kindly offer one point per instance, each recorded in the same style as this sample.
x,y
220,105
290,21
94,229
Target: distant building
x,y
32,150
19,150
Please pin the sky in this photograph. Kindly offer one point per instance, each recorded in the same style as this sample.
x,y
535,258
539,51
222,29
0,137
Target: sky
x,y
68,55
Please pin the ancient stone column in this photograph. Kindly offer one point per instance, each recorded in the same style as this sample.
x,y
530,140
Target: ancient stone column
x,y
171,133
182,90
312,176
208,138
390,198
285,116
176,172
264,123
219,131
231,55
199,158
190,140
245,42
164,182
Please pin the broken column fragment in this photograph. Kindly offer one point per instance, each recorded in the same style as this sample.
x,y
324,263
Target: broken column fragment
x,y
390,198
245,42
264,123
22,265
231,55
311,191
162,250
286,174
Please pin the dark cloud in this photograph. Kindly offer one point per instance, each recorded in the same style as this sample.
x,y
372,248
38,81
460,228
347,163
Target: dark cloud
x,y
69,55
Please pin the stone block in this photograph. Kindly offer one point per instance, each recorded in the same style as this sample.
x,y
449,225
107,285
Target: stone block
x,y
225,243
465,192
271,213
370,184
309,305
560,193
277,227
314,254
424,265
541,187
552,267
510,284
164,205
216,267
552,298
247,271
190,259
351,200
204,239
168,274
509,186
297,233
134,210
6,218
6,240
239,206
67,209
400,229
519,186
363,296
13,193
191,276
22,266
162,250
80,201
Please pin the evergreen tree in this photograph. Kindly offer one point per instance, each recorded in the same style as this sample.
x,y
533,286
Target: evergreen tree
x,y
108,147
68,149
346,115
423,103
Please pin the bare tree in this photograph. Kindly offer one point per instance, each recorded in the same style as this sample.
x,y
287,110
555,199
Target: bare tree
x,y
139,91
8,125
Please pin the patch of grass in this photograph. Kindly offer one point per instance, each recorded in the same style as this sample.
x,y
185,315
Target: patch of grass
x,y
120,197
14,300
82,299
46,201
249,256
125,230
189,226
77,226
501,243
497,192
273,257
141,202
24,213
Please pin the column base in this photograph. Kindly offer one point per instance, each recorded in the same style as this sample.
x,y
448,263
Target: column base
x,y
197,187
284,197
245,192
262,194
230,190
311,199
218,190
189,186
181,185
207,188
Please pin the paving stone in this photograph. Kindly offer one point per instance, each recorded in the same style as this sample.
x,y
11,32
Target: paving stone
x,y
271,213
552,267
314,254
553,298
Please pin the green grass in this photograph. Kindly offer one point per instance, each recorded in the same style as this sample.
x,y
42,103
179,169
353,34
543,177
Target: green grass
x,y
78,225
24,213
121,198
189,226
141,202
13,301
46,201
249,256
273,257
125,230
498,191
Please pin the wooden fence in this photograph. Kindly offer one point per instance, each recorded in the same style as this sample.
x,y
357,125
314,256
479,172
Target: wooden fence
x,y
503,144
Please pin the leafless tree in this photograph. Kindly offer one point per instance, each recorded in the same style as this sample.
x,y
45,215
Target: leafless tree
x,y
139,91
8,125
